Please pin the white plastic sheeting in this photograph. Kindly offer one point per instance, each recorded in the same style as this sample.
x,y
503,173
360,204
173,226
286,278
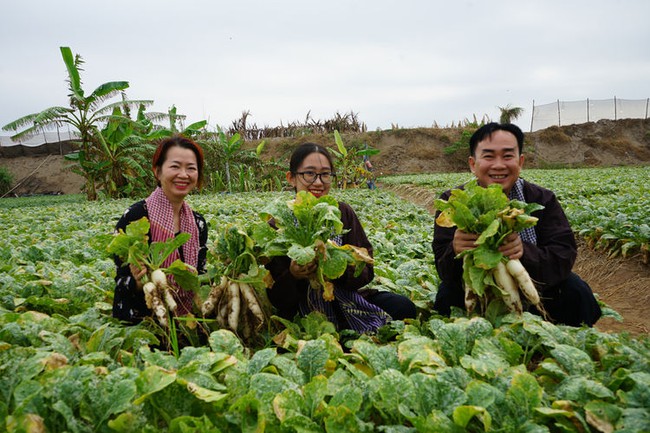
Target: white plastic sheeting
x,y
39,139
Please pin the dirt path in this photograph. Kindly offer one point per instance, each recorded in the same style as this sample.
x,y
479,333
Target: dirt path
x,y
623,284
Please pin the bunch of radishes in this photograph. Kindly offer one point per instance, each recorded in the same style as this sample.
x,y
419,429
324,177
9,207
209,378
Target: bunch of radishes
x,y
133,248
487,274
235,305
158,296
234,301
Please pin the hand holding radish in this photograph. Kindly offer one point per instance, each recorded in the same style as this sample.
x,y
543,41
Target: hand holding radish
x,y
512,247
487,239
145,262
464,241
138,273
302,271
305,227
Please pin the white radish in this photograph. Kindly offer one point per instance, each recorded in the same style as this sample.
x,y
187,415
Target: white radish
x,y
159,278
520,274
510,291
153,293
234,303
157,305
169,299
222,313
526,285
160,311
250,299
471,299
149,290
245,324
214,297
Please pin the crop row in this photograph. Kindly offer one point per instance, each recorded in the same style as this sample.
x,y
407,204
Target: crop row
x,y
66,365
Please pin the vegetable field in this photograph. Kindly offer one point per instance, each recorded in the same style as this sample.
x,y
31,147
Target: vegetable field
x,y
66,365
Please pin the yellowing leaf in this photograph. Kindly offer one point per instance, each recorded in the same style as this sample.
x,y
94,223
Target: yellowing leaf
x,y
445,219
328,291
205,394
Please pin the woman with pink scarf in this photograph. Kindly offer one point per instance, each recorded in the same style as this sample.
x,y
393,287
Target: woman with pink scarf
x,y
178,168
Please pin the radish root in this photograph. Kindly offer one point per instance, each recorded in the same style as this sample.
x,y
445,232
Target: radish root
x,y
159,296
236,306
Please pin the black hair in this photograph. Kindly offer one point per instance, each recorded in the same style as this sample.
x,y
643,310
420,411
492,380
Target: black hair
x,y
486,131
303,151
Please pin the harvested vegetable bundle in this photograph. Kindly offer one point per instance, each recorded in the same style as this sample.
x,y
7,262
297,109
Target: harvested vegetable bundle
x,y
487,274
235,301
132,247
304,228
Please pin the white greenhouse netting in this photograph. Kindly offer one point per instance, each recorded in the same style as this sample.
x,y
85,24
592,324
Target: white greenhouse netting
x,y
562,113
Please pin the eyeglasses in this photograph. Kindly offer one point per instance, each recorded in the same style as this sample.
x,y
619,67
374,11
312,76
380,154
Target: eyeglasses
x,y
310,176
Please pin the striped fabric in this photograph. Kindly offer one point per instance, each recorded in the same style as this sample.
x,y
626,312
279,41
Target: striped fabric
x,y
348,309
358,314
517,193
161,218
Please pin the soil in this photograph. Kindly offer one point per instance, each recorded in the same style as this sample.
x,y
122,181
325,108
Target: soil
x,y
623,284
43,174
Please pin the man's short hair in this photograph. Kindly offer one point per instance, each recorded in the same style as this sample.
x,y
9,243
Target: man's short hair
x,y
486,131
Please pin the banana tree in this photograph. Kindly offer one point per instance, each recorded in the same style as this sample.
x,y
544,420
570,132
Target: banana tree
x,y
351,170
228,147
175,123
125,151
85,114
509,113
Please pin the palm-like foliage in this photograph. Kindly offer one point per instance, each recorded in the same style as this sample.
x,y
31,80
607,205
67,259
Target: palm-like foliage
x,y
125,154
510,114
85,115
175,121
231,168
228,148
350,168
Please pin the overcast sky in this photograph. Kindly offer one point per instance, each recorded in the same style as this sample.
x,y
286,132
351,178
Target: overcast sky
x,y
402,62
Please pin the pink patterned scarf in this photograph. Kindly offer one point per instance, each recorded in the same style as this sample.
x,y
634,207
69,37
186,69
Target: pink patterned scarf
x,y
161,218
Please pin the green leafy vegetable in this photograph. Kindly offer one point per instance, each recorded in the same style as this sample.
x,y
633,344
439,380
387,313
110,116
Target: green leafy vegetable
x,y
487,274
237,300
56,363
305,226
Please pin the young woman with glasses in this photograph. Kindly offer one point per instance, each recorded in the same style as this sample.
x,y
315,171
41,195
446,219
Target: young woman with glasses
x,y
354,307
